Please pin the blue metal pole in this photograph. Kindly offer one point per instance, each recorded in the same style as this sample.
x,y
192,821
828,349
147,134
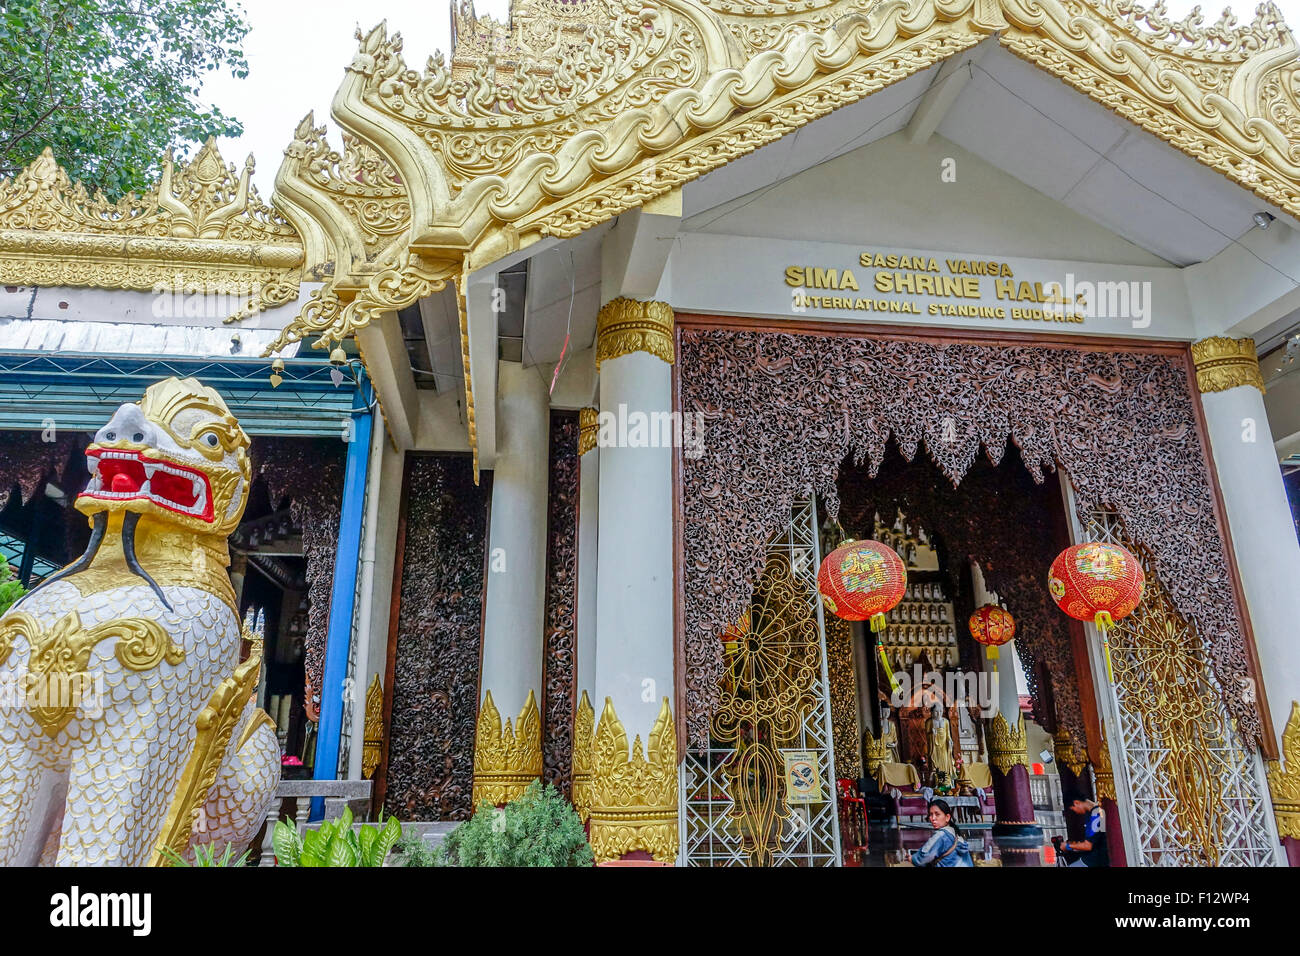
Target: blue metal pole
x,y
343,597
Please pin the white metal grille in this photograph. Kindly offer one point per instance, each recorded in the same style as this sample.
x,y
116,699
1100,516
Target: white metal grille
x,y
809,836
1197,800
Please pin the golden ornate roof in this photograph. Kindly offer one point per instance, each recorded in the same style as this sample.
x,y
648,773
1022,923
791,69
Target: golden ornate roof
x,y
202,228
577,110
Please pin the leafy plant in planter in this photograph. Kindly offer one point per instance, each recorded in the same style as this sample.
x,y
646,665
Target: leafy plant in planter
x,y
540,828
334,843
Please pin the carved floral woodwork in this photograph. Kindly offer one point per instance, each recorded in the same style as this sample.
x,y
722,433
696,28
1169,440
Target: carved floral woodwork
x,y
1223,363
559,649
436,661
309,472
507,757
843,681
782,410
27,461
634,795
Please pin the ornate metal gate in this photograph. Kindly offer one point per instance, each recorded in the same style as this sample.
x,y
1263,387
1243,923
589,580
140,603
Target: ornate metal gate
x,y
764,792
1197,795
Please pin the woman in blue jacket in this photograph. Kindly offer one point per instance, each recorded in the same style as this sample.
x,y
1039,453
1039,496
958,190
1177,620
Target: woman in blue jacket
x,y
947,847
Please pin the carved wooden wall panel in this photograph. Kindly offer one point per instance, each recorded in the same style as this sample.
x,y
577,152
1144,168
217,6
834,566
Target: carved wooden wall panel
x,y
436,666
559,674
27,461
309,472
843,681
783,410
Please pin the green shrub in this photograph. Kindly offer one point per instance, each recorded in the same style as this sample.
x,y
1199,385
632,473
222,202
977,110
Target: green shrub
x,y
541,828
10,589
334,843
413,851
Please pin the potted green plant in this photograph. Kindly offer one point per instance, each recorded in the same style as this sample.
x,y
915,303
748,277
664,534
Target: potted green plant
x,y
334,843
540,828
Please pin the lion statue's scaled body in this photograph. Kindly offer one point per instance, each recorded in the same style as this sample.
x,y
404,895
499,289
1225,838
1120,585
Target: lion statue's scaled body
x,y
130,724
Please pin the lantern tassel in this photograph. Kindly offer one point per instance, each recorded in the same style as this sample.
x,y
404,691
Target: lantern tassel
x,y
993,652
884,662
1105,623
878,622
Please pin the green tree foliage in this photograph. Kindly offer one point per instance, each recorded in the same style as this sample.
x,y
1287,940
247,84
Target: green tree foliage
x,y
110,84
10,589
540,828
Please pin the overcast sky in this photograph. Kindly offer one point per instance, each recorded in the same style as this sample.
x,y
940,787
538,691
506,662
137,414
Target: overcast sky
x,y
297,51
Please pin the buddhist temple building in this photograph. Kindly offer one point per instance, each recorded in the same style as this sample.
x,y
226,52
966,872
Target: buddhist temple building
x,y
569,355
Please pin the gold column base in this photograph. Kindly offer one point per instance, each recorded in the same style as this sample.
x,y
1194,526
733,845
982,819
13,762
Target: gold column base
x,y
583,730
506,759
634,799
1007,745
1223,363
1284,779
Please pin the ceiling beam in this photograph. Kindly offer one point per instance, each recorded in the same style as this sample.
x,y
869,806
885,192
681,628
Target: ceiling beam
x,y
384,353
635,253
942,94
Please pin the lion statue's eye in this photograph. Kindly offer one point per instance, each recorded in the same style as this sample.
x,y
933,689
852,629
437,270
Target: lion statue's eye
x,y
210,439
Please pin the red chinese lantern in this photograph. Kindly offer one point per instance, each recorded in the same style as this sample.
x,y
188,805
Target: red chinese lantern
x,y
992,626
1097,582
864,581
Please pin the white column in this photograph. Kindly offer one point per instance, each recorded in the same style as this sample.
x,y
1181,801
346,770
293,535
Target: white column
x,y
588,551
634,600
1263,535
511,675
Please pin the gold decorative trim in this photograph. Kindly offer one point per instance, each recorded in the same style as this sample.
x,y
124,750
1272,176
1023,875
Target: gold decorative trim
x,y
583,731
216,725
1284,778
506,760
372,748
1067,753
56,675
1223,363
1007,746
634,799
462,318
259,720
1104,773
201,229
625,325
588,430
